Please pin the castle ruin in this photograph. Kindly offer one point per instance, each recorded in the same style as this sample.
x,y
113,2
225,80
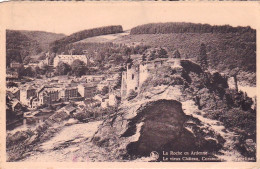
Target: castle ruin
x,y
136,73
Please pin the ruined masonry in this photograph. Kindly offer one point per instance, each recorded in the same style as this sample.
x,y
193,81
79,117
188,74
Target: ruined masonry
x,y
136,74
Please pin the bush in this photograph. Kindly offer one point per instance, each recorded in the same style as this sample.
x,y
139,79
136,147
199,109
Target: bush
x,y
82,116
132,95
105,90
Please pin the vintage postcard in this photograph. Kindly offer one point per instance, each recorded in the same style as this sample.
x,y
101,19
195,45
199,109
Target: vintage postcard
x,y
129,84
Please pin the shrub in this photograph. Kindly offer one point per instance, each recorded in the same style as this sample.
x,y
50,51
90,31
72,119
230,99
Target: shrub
x,y
132,95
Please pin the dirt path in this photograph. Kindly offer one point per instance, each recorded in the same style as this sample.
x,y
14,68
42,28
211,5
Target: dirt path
x,y
71,144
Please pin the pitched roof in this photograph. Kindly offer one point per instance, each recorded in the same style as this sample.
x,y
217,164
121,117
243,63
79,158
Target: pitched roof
x,y
15,102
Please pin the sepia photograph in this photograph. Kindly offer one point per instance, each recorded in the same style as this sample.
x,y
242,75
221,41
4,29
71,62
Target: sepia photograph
x,y
130,83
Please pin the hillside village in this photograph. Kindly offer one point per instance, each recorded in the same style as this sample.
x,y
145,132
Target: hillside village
x,y
79,93
115,84
70,94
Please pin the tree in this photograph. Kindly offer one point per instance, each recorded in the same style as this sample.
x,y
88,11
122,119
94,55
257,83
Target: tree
x,y
203,58
62,68
177,54
78,67
132,95
144,57
13,55
42,56
29,72
105,90
27,60
162,53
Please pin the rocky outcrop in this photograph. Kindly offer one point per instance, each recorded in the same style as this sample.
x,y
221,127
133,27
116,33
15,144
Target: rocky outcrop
x,y
162,124
155,121
175,110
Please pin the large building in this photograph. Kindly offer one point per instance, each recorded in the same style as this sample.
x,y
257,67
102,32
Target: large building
x,y
26,94
87,90
47,95
68,93
69,59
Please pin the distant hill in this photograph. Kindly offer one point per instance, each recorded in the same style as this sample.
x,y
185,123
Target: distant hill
x,y
58,45
228,48
43,38
182,27
21,44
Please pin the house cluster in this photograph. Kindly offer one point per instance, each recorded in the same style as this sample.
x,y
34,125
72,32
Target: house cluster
x,y
13,75
138,70
64,89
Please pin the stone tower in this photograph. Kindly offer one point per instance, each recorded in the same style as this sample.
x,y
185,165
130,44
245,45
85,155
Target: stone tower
x,y
130,79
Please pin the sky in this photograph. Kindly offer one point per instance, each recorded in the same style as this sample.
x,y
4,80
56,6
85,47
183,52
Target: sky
x,y
69,17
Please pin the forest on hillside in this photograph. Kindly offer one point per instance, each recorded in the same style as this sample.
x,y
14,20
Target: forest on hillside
x,y
43,38
19,46
182,27
228,48
225,51
60,44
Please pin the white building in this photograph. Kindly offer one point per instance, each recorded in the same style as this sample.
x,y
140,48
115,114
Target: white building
x,y
69,59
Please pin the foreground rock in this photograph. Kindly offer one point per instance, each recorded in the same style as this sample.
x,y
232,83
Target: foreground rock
x,y
155,124
184,109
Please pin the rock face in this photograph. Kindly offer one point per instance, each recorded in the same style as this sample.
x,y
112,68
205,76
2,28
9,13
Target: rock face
x,y
155,124
163,122
170,113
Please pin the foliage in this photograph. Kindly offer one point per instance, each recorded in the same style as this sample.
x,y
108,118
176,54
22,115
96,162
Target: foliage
x,y
20,45
132,95
56,45
44,39
62,68
27,60
154,53
203,58
164,75
105,90
78,68
82,116
42,56
177,54
182,27
29,72
225,51
211,94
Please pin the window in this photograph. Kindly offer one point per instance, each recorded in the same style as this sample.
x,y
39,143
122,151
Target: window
x,y
133,76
